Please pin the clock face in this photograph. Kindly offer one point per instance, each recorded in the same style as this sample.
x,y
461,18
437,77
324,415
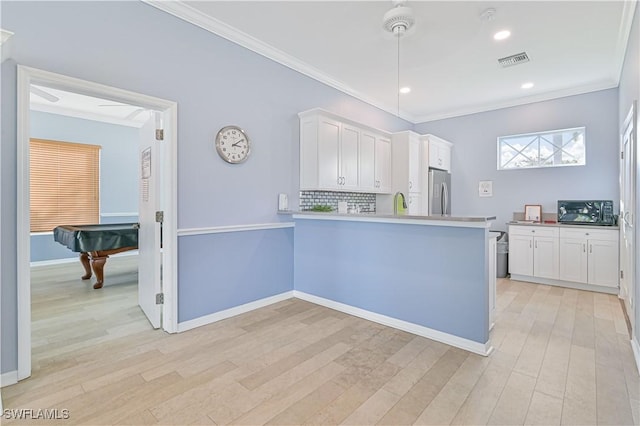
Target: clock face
x,y
233,144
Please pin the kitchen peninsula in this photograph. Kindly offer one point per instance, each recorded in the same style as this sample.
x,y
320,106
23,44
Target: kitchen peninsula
x,y
428,275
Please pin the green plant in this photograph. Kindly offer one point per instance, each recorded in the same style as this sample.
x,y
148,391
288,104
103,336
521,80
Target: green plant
x,y
321,208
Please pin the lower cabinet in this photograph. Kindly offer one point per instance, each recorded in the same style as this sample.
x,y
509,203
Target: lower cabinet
x,y
533,251
414,204
589,256
574,255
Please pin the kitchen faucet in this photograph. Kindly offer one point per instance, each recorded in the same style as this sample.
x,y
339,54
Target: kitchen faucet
x,y
396,199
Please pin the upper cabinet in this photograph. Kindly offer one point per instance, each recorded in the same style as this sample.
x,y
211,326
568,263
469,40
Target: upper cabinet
x,y
407,162
410,171
439,153
383,165
339,155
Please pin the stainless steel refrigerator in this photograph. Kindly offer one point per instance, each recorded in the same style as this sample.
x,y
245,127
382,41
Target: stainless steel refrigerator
x,y
439,192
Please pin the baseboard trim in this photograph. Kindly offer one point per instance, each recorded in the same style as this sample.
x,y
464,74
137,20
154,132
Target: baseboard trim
x,y
567,284
635,346
449,339
9,378
232,312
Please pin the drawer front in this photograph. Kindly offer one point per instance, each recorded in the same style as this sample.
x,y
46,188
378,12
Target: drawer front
x,y
535,231
590,234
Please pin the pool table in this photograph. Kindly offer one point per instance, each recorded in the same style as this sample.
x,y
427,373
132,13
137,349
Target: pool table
x,y
96,242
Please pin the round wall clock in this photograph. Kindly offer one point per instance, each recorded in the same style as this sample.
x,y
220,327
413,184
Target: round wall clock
x,y
232,144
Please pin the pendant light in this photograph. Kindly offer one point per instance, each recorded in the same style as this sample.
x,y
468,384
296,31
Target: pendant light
x,y
397,21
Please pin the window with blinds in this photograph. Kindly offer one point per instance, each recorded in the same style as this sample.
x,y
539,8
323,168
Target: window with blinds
x,y
65,184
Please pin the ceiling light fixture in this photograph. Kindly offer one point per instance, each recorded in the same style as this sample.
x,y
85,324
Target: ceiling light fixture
x,y
397,21
405,90
501,35
527,85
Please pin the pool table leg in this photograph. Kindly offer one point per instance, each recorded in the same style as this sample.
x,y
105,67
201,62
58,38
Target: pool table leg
x,y
84,259
97,263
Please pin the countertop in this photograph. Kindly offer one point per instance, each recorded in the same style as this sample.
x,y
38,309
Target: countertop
x,y
563,225
458,221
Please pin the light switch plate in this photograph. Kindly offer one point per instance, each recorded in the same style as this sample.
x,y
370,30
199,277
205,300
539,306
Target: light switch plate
x,y
283,202
485,188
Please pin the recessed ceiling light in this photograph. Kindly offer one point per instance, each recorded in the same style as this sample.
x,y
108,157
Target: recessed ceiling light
x,y
501,35
527,85
405,90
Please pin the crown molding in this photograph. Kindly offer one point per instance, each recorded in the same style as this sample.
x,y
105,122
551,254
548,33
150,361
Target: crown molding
x,y
193,16
189,14
492,106
624,32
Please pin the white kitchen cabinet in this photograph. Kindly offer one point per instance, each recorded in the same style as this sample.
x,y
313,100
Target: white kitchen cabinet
x,y
439,153
383,165
589,256
414,204
348,158
328,157
409,170
415,168
367,162
534,251
340,155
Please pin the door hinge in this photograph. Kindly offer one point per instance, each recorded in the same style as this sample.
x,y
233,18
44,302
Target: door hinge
x,y
160,216
621,274
622,155
159,298
159,134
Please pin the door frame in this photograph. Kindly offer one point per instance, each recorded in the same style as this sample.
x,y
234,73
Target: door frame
x,y
28,76
631,273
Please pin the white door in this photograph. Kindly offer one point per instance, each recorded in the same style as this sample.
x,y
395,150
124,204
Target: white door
x,y
414,163
520,255
367,159
603,263
349,143
149,260
627,212
573,260
383,165
328,152
546,257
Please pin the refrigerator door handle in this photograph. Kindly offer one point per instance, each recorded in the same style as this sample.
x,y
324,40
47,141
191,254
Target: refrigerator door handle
x,y
445,199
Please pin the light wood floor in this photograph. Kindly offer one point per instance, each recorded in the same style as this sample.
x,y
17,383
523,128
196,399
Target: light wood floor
x,y
562,357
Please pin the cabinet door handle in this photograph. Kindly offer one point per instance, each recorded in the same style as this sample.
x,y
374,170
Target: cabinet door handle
x,y
590,248
536,244
584,248
529,243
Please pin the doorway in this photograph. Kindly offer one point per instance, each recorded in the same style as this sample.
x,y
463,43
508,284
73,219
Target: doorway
x,y
166,173
628,188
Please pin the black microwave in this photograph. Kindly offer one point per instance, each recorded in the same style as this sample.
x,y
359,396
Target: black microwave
x,y
586,212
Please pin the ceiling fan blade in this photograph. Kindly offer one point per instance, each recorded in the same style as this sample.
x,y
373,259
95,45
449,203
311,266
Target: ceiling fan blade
x,y
45,95
134,114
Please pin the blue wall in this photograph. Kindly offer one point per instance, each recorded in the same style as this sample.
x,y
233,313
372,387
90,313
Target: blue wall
x,y
118,170
215,83
234,267
475,156
426,275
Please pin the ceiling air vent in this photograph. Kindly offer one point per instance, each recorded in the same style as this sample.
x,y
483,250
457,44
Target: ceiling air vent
x,y
518,58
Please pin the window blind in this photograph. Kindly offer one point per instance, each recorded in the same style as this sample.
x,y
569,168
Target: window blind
x,y
65,184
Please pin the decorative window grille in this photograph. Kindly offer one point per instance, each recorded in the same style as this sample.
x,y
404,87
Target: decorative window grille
x,y
554,148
